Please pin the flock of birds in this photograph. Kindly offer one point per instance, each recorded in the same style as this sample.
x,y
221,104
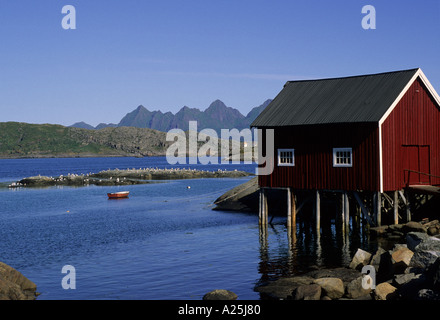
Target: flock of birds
x,y
72,176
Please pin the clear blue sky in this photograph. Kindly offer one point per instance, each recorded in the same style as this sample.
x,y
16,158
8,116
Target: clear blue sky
x,y
167,54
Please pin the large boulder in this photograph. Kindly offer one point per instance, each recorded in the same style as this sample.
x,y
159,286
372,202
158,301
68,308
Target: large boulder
x,y
283,287
220,294
385,291
331,287
14,285
426,249
401,258
356,290
241,198
413,239
307,292
413,226
360,259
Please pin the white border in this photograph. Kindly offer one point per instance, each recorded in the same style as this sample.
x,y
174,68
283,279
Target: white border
x,y
286,164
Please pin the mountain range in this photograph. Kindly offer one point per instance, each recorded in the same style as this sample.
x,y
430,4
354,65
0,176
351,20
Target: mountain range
x,y
217,116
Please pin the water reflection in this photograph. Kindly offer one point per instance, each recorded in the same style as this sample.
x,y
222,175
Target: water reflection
x,y
287,251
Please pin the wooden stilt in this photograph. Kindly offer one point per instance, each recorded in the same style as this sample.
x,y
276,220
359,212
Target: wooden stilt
x,y
358,217
396,207
364,210
318,212
378,207
343,212
266,209
263,208
260,207
405,197
289,208
347,213
408,208
293,204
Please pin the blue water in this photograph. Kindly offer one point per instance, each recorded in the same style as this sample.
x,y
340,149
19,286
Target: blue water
x,y
164,242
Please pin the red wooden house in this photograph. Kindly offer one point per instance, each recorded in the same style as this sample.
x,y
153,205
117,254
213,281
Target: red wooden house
x,y
376,133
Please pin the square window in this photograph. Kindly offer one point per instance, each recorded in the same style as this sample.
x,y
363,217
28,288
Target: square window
x,y
286,157
342,157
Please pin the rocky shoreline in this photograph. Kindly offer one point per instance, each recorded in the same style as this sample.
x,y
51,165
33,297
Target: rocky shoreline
x,y
124,177
14,285
409,271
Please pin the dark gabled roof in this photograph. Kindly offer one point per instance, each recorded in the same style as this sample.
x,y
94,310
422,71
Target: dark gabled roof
x,y
354,99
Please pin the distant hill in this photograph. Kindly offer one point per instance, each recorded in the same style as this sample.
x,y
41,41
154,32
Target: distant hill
x,y
217,116
24,140
83,125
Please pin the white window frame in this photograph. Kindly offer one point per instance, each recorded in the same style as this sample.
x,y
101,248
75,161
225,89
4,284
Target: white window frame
x,y
284,164
335,158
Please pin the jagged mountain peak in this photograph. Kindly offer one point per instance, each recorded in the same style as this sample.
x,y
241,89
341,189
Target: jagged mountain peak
x,y
217,116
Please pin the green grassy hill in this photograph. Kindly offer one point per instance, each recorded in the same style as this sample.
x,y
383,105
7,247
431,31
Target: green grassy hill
x,y
23,140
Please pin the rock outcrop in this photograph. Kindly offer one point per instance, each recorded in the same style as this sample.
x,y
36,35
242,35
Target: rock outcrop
x,y
124,177
220,294
14,285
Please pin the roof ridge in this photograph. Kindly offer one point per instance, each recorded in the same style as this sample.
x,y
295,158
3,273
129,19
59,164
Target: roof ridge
x,y
354,76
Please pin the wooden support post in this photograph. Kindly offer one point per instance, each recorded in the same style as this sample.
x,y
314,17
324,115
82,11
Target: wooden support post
x,y
347,213
378,208
405,198
363,209
289,209
266,209
343,212
260,206
263,208
318,212
358,217
293,204
408,207
396,207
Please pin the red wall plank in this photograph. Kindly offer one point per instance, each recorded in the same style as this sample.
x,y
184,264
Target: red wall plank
x,y
314,157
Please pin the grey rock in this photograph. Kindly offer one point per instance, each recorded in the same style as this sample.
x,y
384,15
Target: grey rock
x,y
332,287
220,294
413,239
424,258
375,260
360,259
307,292
413,226
283,287
345,274
401,279
428,294
355,289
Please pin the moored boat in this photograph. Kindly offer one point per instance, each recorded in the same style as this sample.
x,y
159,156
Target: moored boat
x,y
118,195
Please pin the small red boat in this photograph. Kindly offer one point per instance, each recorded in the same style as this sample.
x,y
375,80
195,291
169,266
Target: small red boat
x,y
118,195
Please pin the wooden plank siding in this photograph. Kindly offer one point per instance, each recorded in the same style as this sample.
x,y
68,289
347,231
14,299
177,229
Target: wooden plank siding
x,y
314,169
410,134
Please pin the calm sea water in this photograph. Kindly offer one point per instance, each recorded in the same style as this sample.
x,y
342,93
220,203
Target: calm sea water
x,y
164,242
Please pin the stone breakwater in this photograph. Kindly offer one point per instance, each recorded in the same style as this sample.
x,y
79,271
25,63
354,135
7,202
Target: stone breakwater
x,y
409,271
124,177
